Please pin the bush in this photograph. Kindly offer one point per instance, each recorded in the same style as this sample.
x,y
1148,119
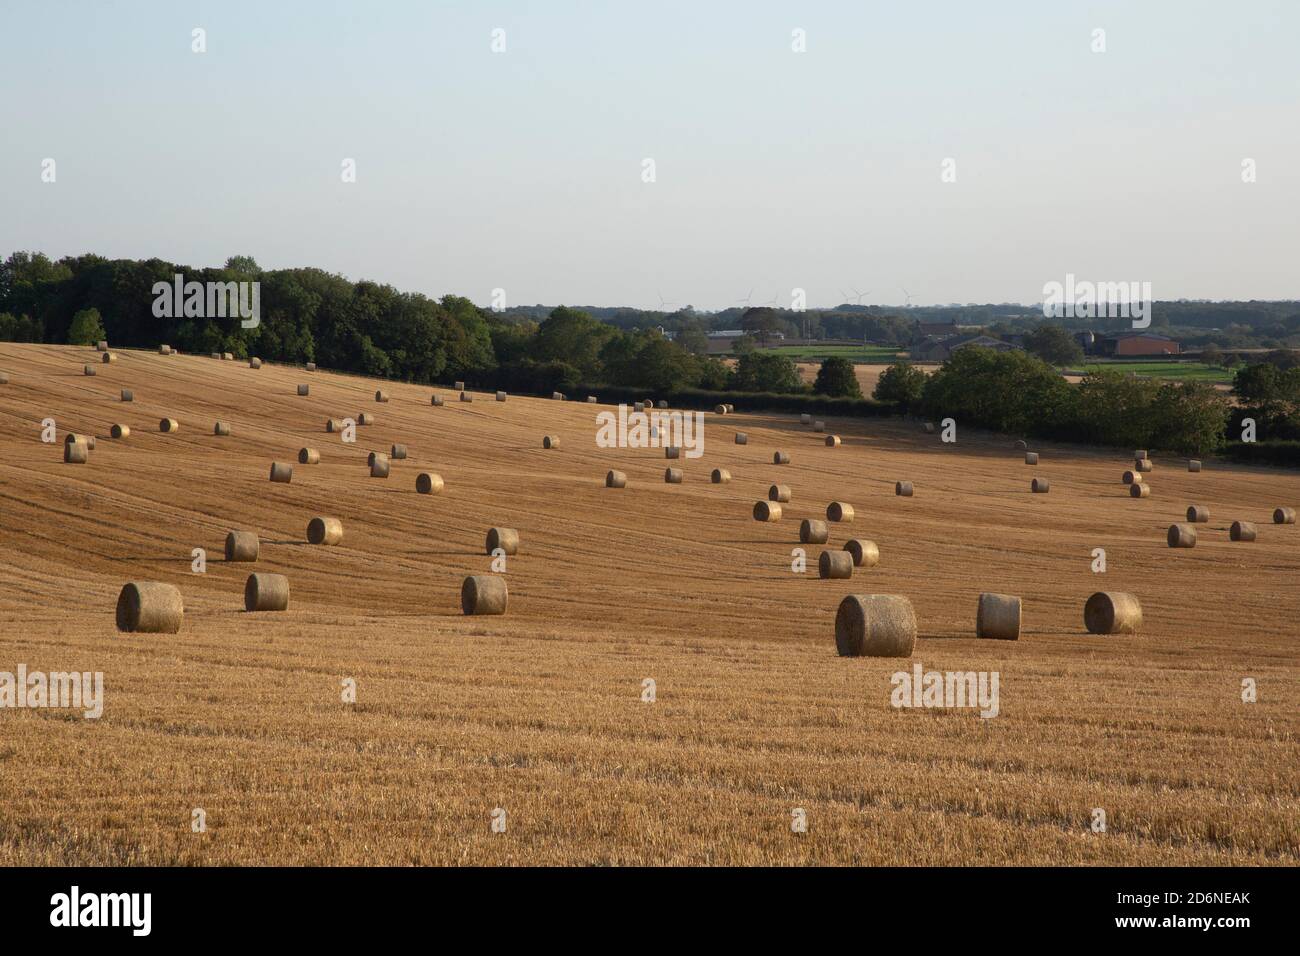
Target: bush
x,y
838,377
695,398
1285,453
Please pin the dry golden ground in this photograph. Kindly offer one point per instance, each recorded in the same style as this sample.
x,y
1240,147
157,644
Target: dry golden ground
x,y
540,712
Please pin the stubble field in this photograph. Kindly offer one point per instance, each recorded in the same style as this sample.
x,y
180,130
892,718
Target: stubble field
x,y
540,712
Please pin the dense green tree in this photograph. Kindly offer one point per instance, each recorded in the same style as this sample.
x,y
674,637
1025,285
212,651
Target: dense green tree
x,y
87,328
1054,345
902,383
1011,392
837,377
760,371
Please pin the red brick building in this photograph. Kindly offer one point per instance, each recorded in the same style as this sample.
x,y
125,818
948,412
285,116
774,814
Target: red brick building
x,y
1139,343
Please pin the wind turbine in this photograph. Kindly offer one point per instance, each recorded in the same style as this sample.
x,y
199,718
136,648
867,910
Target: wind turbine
x,y
663,302
908,303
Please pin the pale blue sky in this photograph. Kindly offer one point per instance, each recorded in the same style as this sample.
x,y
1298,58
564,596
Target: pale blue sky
x,y
775,170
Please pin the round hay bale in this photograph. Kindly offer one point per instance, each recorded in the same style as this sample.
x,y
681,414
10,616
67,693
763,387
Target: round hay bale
x,y
507,539
304,389
221,428
647,405
466,397
75,453
550,441
998,617
1022,445
266,592
805,419
484,594
109,358
1181,536
835,565
436,401
719,409
120,431
929,428
1031,458
428,483
242,546
164,350
326,531
673,476
865,554
742,438
1139,490
1242,531
169,425
780,458
458,386
1040,486
281,473
101,346
128,395
4,378
255,363
731,409
832,441
1132,477
903,489
659,404
778,493
381,395
591,399
839,511
501,396
379,466
215,355
311,366
365,418
150,607
615,479
672,451
1280,515
819,427
397,452
875,625
1142,464
812,531
1140,454
334,425
767,511
227,356
308,456
720,476
1193,464
89,369
1112,612
1198,514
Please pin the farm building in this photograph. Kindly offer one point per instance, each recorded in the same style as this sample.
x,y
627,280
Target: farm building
x,y
1137,343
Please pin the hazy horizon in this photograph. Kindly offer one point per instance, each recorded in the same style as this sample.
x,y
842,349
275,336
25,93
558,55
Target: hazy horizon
x,y
523,170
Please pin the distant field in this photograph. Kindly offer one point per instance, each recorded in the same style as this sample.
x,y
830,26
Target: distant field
x,y
868,354
1178,371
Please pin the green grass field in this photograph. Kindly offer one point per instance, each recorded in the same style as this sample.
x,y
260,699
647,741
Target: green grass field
x,y
1175,371
863,354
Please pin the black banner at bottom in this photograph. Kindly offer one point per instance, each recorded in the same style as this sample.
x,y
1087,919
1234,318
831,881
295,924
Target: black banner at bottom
x,y
304,905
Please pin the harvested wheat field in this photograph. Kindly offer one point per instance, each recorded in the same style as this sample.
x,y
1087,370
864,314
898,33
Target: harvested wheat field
x,y
543,712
